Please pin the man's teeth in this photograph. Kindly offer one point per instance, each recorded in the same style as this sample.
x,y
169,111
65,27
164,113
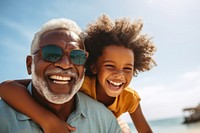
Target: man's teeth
x,y
60,78
115,83
60,82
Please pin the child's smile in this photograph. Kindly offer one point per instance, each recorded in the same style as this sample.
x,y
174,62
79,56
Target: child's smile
x,y
115,85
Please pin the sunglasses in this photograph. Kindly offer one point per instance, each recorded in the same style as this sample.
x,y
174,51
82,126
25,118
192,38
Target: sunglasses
x,y
53,53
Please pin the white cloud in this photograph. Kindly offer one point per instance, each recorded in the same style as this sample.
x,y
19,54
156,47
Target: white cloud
x,y
168,100
191,76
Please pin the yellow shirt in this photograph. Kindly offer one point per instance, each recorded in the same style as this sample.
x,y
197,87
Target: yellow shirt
x,y
127,101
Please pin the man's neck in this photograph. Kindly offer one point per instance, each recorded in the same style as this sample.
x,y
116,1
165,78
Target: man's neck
x,y
66,109
61,110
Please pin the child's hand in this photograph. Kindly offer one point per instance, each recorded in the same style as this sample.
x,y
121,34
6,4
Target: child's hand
x,y
56,125
124,126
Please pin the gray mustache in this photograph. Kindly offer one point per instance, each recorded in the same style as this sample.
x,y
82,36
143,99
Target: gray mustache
x,y
60,71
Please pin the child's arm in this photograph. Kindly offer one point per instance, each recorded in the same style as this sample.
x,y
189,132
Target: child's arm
x,y
16,95
139,121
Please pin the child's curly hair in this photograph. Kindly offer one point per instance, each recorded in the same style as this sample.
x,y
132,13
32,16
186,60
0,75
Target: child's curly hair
x,y
121,32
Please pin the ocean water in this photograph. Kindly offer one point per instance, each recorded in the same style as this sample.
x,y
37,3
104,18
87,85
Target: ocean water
x,y
171,125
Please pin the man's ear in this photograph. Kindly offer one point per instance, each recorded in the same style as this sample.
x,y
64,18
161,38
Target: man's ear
x,y
29,63
93,69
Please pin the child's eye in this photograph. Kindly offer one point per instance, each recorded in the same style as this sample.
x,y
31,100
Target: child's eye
x,y
110,66
128,68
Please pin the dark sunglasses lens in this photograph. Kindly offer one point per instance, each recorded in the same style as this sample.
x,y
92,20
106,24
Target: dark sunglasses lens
x,y
51,53
78,57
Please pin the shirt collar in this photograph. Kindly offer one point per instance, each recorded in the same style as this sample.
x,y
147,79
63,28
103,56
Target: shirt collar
x,y
80,109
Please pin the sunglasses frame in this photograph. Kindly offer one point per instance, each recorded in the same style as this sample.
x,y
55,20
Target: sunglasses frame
x,y
64,52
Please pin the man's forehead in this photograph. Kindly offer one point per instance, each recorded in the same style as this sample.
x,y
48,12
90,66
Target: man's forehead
x,y
61,35
64,32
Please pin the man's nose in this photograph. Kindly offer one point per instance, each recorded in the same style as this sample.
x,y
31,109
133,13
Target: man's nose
x,y
64,62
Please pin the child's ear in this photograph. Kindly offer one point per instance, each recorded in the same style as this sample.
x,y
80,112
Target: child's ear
x,y
93,69
28,64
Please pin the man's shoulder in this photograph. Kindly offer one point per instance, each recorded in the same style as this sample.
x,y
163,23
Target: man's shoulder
x,y
94,109
7,115
104,119
85,99
91,104
6,110
13,121
3,104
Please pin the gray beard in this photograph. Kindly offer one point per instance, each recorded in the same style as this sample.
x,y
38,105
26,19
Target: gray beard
x,y
42,88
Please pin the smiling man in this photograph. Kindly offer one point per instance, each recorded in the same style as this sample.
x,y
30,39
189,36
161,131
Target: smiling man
x,y
57,66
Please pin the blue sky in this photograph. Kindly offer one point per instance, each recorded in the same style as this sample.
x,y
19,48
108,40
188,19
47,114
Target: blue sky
x,y
173,24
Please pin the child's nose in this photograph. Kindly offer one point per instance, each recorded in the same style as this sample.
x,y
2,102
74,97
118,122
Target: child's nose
x,y
119,74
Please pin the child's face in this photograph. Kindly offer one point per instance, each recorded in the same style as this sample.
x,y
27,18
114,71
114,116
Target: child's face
x,y
114,69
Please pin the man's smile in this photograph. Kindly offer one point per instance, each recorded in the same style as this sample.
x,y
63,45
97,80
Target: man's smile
x,y
60,79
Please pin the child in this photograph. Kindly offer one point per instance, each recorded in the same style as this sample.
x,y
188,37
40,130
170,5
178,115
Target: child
x,y
117,52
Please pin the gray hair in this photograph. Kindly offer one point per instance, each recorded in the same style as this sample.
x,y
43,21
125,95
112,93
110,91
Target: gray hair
x,y
54,24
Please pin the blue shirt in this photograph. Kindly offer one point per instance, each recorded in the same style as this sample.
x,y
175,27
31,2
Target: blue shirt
x,y
90,116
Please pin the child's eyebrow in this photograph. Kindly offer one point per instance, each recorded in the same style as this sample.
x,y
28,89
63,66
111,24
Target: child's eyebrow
x,y
110,61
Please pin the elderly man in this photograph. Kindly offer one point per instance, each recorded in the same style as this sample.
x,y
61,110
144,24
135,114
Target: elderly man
x,y
57,67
